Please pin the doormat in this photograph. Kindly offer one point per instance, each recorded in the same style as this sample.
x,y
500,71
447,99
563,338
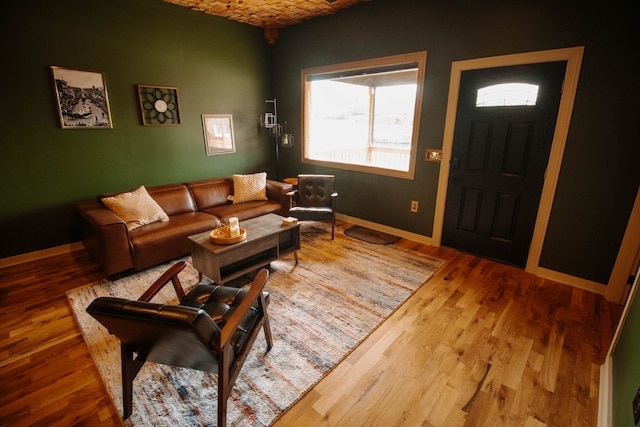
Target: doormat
x,y
371,236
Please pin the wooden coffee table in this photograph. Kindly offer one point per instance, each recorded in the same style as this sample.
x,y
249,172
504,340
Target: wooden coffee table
x,y
267,240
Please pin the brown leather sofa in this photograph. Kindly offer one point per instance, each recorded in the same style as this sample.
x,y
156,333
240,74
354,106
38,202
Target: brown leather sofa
x,y
192,208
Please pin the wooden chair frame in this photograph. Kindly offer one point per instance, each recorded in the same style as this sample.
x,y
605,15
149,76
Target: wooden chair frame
x,y
228,366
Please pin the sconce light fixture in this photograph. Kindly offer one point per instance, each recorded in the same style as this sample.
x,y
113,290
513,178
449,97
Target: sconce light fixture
x,y
270,121
287,140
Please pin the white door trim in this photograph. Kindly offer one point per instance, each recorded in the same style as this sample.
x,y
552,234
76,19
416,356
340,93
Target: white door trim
x,y
573,56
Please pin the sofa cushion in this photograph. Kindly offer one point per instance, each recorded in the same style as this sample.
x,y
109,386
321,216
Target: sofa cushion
x,y
136,208
245,210
173,198
162,241
211,192
248,188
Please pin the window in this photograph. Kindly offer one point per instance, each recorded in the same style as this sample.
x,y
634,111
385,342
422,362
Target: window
x,y
364,115
507,95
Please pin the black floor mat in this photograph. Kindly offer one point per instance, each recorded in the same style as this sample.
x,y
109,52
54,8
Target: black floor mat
x,y
371,236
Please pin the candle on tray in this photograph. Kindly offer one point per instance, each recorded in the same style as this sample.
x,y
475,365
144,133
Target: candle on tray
x,y
234,228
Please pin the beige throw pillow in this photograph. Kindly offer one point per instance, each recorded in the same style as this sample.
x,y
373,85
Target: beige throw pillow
x,y
247,188
136,208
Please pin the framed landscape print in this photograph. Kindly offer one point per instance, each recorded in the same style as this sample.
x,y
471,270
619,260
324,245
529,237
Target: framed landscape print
x,y
159,105
82,99
218,133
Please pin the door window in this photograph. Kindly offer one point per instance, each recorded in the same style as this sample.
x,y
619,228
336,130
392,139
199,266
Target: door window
x,y
507,94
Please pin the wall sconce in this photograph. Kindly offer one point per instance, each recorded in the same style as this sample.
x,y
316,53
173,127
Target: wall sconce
x,y
287,140
270,121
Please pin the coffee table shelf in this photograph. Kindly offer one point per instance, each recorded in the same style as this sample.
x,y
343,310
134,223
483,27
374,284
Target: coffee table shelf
x,y
267,240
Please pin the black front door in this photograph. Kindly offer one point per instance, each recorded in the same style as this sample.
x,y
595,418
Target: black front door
x,y
498,162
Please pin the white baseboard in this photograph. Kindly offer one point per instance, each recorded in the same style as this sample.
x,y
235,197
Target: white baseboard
x,y
567,279
44,253
419,238
605,394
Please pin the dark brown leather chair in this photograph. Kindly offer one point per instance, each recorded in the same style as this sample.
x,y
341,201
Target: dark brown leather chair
x,y
315,200
212,330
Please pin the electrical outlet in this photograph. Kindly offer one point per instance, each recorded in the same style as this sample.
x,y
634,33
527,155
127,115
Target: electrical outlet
x,y
636,407
414,206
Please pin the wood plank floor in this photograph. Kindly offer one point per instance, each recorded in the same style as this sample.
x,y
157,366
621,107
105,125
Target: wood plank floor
x,y
481,344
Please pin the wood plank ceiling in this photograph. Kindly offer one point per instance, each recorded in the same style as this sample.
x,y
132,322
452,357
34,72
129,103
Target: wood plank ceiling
x,y
271,15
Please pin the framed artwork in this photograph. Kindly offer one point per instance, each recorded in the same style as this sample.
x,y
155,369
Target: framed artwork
x,y
159,105
218,133
82,99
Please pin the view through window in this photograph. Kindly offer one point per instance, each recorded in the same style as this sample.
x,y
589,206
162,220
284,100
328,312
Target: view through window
x,y
507,95
365,115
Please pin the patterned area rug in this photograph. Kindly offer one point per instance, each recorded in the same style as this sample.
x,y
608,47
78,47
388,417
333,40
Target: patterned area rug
x,y
320,310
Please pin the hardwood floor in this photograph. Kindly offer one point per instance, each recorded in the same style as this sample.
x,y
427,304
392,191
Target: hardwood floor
x,y
480,344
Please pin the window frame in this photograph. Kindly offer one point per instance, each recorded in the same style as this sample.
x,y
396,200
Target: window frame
x,y
388,61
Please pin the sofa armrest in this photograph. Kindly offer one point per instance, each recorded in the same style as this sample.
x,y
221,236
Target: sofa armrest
x,y
278,191
105,236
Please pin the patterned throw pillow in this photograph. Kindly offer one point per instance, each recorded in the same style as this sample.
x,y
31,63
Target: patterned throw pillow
x,y
247,188
136,208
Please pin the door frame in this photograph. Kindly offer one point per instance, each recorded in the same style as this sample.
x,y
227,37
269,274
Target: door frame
x,y
625,261
573,56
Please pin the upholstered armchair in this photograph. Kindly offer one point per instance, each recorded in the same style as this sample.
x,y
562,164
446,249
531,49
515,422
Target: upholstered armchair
x,y
315,200
217,324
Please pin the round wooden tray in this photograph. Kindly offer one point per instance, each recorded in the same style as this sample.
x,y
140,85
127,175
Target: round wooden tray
x,y
219,236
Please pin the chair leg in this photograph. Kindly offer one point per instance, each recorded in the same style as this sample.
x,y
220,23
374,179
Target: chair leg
x,y
224,388
130,368
333,227
266,325
128,374
222,410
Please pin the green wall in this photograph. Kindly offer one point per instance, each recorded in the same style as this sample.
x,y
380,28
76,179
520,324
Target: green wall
x,y
218,66
625,367
599,176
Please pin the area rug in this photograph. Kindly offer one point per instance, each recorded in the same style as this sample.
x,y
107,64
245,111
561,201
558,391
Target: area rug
x,y
371,236
320,310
